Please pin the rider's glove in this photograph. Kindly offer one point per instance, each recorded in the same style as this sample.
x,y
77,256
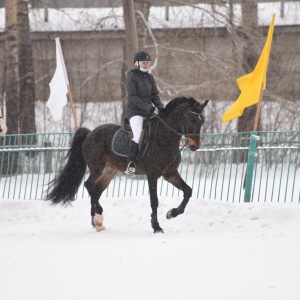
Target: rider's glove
x,y
152,110
162,110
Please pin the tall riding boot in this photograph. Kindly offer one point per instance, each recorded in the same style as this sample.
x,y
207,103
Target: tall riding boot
x,y
132,154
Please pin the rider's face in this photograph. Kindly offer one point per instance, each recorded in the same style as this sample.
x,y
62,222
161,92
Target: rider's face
x,y
145,64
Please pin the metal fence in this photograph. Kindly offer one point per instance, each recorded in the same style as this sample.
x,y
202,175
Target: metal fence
x,y
221,169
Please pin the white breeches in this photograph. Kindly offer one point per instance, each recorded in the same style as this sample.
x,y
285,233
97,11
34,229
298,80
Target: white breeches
x,y
3,127
136,124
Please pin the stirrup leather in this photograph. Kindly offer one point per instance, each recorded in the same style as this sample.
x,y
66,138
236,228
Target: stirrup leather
x,y
130,168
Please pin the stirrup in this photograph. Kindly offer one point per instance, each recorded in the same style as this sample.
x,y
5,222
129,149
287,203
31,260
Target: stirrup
x,y
130,168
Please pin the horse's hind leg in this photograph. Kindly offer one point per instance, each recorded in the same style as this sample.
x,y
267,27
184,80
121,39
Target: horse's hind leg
x,y
175,178
95,188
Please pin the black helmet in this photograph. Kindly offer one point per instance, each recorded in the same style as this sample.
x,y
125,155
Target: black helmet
x,y
142,56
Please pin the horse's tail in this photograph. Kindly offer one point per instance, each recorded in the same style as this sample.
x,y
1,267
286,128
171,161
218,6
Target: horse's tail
x,y
63,188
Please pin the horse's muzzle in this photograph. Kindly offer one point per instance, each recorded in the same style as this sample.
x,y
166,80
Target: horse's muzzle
x,y
193,148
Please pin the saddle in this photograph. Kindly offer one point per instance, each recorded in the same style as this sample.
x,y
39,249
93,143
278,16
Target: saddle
x,y
122,137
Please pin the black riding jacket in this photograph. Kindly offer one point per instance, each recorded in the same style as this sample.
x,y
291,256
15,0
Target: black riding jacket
x,y
142,92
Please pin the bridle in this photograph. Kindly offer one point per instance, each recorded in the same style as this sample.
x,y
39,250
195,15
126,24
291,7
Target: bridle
x,y
187,118
185,126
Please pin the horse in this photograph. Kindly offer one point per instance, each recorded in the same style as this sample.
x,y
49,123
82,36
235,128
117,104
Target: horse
x,y
182,117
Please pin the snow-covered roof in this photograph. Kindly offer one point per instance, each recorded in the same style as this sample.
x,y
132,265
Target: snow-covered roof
x,y
201,15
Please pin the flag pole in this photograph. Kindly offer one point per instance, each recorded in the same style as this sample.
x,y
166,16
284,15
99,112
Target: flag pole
x,y
72,107
255,122
258,107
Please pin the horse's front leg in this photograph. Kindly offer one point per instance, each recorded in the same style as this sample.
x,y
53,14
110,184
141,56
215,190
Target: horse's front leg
x,y
152,182
175,178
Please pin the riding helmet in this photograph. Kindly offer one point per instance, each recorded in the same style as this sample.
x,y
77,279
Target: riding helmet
x,y
142,56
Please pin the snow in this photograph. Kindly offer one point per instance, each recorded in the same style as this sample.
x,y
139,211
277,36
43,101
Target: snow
x,y
215,250
200,15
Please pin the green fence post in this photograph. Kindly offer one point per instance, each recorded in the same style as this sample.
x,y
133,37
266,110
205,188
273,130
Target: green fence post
x,y
250,166
48,157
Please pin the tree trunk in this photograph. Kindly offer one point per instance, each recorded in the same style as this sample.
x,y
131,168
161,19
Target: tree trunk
x,y
131,46
250,57
131,40
26,71
19,74
142,6
11,67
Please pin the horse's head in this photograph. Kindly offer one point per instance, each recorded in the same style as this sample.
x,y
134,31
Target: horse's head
x,y
189,119
193,123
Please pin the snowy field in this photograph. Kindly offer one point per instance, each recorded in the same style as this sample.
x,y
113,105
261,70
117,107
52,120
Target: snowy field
x,y
215,250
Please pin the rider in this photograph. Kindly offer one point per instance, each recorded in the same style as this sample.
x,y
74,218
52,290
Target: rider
x,y
142,95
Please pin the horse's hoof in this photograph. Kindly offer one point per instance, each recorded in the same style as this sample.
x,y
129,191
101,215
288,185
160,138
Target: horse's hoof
x,y
172,213
99,228
98,222
160,230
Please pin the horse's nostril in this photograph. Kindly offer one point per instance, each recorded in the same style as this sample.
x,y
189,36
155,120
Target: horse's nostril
x,y
193,148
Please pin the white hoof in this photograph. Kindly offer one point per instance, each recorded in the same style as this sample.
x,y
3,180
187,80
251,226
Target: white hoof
x,y
98,221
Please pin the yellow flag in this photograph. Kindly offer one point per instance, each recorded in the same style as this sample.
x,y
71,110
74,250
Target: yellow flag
x,y
250,85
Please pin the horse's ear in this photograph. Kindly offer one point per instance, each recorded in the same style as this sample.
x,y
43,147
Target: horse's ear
x,y
204,104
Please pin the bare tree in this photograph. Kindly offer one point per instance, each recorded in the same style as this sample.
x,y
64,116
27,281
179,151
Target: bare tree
x,y
19,75
26,71
131,45
143,9
11,67
250,57
131,39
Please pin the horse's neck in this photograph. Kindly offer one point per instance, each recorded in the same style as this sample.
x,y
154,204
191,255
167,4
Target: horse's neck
x,y
176,122
169,131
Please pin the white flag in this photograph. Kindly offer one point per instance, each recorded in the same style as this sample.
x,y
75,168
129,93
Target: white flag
x,y
58,86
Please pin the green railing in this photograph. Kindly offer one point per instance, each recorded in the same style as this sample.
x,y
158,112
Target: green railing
x,y
233,167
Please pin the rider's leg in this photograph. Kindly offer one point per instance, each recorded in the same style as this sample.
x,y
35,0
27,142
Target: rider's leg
x,y
136,124
132,154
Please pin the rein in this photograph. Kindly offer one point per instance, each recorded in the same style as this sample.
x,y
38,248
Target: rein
x,y
170,128
175,131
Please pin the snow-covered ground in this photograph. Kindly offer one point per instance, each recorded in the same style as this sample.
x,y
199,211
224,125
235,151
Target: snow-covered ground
x,y
215,250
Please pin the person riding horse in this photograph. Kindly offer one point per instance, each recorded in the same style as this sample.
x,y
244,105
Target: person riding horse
x,y
182,116
142,95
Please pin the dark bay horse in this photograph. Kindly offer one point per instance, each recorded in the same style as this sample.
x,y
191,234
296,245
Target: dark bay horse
x,y
183,117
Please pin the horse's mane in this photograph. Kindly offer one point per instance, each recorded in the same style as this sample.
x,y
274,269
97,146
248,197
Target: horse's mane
x,y
174,103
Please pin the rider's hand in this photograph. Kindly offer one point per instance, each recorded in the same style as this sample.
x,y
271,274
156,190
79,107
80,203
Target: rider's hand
x,y
162,110
152,110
